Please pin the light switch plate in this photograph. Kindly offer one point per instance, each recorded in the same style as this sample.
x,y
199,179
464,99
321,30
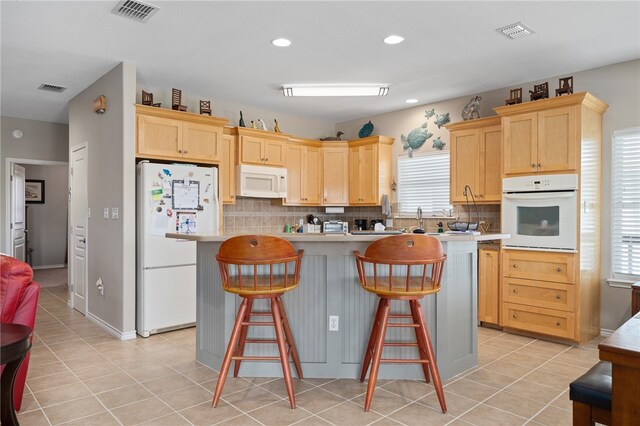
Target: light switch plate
x,y
114,213
105,214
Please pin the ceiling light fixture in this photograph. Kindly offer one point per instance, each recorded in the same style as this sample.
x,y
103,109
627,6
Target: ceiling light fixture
x,y
393,39
335,89
517,30
281,42
411,101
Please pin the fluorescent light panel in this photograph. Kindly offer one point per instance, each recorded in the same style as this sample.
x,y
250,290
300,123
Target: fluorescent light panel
x,y
335,89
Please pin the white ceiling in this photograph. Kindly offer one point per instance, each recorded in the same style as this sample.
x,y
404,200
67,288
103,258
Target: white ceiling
x,y
221,50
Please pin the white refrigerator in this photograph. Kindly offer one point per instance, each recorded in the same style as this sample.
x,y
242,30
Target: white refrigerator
x,y
171,198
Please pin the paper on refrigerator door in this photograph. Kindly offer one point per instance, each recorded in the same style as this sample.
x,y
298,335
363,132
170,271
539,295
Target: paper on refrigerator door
x,y
186,223
160,223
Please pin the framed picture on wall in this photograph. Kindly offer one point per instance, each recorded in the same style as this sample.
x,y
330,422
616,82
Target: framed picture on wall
x,y
34,191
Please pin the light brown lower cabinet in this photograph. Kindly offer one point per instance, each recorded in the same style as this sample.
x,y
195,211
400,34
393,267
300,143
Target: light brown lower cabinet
x,y
489,286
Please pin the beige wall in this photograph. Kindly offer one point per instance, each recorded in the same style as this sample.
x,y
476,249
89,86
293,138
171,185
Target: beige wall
x,y
617,84
291,124
47,223
41,141
110,138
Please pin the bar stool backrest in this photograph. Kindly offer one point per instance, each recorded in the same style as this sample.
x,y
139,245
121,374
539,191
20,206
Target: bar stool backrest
x,y
419,262
260,264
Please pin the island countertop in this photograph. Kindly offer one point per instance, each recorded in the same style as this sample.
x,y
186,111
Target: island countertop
x,y
329,287
309,237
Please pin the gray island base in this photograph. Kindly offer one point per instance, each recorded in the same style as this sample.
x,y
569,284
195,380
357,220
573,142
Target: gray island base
x,y
329,287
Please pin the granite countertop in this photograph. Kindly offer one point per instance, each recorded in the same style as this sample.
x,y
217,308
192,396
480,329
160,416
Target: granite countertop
x,y
309,237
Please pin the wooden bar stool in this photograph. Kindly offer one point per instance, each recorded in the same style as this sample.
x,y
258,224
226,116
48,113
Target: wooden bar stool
x,y
419,262
259,267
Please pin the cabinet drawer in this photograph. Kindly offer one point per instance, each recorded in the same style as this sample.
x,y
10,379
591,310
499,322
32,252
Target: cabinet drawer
x,y
539,320
539,293
543,266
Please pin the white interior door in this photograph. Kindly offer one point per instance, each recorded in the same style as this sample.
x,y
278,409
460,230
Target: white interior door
x,y
78,229
18,238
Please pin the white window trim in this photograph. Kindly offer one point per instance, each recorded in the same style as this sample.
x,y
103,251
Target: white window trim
x,y
618,280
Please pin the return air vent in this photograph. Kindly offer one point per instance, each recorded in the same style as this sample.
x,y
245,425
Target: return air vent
x,y
517,30
52,88
135,10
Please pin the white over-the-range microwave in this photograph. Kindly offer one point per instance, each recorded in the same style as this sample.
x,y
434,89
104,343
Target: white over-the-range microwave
x,y
261,181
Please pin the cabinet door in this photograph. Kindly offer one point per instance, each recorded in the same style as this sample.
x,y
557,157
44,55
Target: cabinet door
x,y
313,176
490,166
557,140
488,286
336,175
295,171
464,164
274,152
200,141
159,137
251,151
369,174
520,134
227,169
354,176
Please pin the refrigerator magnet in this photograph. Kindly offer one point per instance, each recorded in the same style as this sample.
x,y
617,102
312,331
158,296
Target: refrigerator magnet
x,y
159,209
205,200
169,212
166,172
156,194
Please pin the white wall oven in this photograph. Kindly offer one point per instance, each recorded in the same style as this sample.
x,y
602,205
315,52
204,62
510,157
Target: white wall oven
x,y
540,212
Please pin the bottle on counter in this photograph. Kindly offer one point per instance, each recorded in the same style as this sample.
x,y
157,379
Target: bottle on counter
x,y
440,228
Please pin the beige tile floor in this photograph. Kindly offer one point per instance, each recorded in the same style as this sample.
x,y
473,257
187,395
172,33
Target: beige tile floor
x,y
81,375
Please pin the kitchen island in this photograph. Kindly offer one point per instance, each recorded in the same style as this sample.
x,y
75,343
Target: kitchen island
x,y
329,287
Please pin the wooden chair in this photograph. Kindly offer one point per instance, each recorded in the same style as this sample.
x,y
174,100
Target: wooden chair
x,y
515,97
147,99
205,107
540,91
259,267
418,261
565,86
176,100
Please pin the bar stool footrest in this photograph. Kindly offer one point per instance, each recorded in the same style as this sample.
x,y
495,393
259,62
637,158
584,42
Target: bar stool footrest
x,y
404,361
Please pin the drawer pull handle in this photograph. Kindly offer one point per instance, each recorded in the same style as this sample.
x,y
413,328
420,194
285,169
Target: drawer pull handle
x,y
179,151
515,266
558,323
533,164
539,164
558,296
559,269
515,290
515,315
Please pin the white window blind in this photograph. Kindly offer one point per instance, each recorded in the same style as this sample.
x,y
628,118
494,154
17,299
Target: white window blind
x,y
423,181
626,203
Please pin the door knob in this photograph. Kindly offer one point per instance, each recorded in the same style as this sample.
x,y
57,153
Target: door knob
x,y
179,151
539,164
533,164
515,266
558,323
515,315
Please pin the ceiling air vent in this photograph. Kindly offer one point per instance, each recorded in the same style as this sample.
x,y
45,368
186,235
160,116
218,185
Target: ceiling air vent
x,y
52,88
517,30
135,10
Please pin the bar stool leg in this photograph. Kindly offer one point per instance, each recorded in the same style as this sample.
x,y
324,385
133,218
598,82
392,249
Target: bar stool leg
x,y
372,341
289,336
243,336
437,383
231,348
284,356
422,346
377,355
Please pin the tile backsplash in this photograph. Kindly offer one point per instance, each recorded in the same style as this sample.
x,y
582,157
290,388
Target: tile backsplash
x,y
266,216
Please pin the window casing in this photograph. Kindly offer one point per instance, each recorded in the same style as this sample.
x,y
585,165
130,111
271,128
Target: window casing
x,y
423,181
625,204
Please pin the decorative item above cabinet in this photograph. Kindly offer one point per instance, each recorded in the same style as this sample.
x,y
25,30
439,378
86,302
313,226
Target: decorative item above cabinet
x,y
163,134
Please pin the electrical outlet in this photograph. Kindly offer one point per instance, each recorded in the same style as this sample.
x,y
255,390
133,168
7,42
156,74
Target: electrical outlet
x,y
114,213
105,213
334,321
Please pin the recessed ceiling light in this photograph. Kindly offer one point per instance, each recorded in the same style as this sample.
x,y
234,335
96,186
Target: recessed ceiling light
x,y
393,39
411,101
281,42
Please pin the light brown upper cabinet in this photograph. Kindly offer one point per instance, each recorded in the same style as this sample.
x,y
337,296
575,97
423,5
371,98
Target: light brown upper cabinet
x,y
545,136
261,147
335,173
369,170
178,136
228,166
304,172
475,160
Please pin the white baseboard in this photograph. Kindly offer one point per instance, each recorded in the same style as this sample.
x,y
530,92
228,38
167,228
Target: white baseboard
x,y
606,332
62,265
122,335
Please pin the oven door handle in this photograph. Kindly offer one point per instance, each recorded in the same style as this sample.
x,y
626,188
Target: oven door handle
x,y
539,196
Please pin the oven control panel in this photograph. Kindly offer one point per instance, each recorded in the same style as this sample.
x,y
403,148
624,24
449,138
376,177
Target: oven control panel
x,y
540,183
